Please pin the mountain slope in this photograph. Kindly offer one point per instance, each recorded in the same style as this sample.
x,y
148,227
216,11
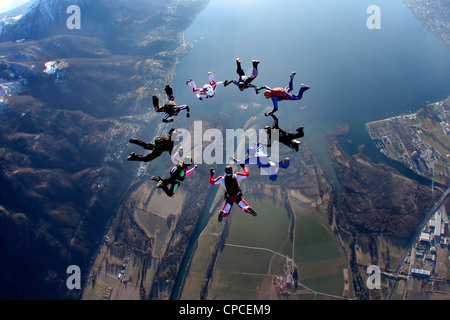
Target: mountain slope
x,y
64,132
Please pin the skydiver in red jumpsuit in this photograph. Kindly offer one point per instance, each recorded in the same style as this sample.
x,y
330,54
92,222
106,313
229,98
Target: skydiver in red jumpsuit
x,y
233,193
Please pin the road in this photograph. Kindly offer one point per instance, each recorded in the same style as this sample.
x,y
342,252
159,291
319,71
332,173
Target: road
x,y
414,238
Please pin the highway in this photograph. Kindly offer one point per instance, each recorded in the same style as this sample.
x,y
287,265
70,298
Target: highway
x,y
414,238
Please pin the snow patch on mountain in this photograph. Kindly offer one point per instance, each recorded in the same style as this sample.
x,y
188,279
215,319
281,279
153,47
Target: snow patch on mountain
x,y
51,67
9,20
8,89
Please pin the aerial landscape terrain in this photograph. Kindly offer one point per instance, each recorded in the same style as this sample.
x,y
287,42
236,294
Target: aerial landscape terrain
x,y
70,100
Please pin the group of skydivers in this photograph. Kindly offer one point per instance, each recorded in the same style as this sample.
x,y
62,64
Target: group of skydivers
x,y
229,180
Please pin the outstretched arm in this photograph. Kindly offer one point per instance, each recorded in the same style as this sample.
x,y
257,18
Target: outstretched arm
x,y
213,180
190,171
275,122
246,161
175,158
227,82
243,175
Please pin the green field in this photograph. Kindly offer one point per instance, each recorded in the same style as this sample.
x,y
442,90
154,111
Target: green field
x,y
270,229
318,255
256,249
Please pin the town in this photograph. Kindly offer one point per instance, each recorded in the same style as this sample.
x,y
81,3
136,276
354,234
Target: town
x,y
426,267
421,141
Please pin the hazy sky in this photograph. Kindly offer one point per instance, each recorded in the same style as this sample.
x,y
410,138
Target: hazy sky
x,y
5,4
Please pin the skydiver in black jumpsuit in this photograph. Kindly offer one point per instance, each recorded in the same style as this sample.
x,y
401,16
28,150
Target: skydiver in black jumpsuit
x,y
245,81
161,144
288,139
170,108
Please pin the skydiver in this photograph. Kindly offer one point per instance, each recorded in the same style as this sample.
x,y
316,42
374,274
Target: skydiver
x,y
244,81
288,139
280,94
262,159
170,108
161,144
177,174
208,90
233,193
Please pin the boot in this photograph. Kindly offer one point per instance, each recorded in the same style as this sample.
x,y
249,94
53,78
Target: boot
x,y
255,63
284,164
188,112
295,144
155,101
221,213
293,74
168,89
300,134
303,88
132,157
252,211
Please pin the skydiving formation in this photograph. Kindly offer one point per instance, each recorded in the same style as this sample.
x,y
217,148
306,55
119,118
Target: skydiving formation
x,y
257,156
208,90
281,94
170,108
233,193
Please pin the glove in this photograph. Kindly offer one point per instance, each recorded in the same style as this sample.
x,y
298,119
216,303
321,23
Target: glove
x,y
195,167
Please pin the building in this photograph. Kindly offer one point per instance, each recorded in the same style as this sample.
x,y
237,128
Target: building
x,y
425,237
421,272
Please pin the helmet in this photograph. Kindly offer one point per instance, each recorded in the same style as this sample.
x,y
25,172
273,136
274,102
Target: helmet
x,y
268,94
251,151
210,93
187,161
241,85
229,170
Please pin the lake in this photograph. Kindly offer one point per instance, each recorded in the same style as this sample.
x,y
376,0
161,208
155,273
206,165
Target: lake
x,y
356,75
